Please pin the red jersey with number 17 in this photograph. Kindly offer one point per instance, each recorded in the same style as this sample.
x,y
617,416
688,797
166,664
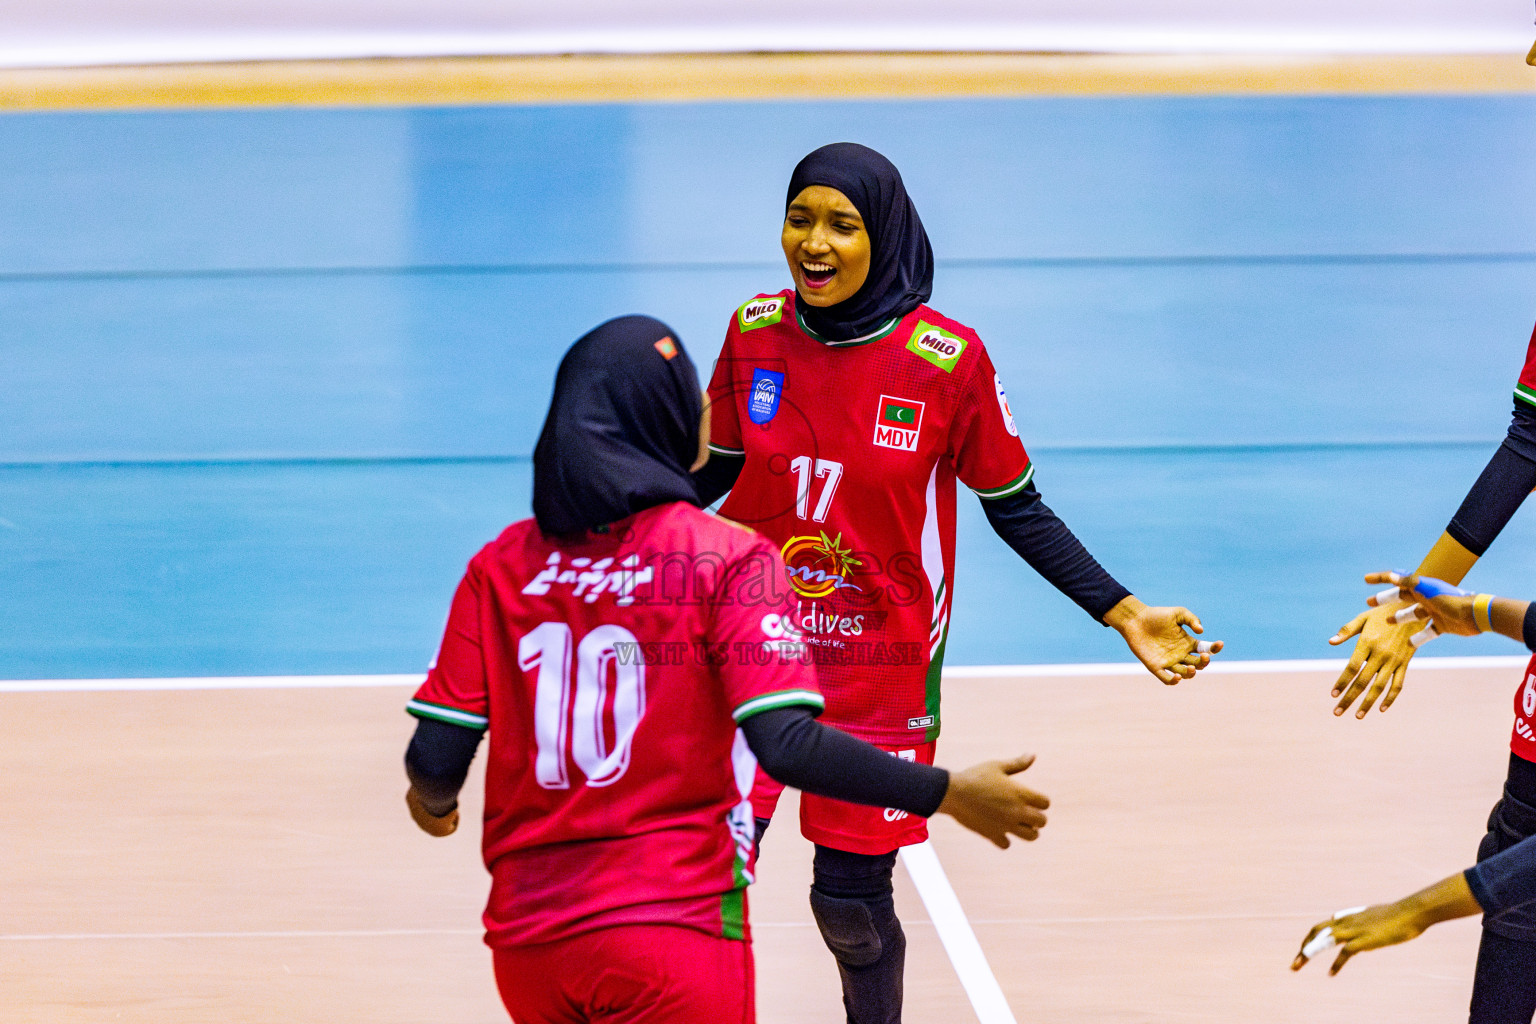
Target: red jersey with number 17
x,y
611,671
852,450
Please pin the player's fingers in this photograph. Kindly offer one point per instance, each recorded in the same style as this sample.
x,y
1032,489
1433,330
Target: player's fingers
x,y
1018,764
1396,687
1349,629
1338,963
1412,613
1033,799
1185,617
1026,833
1357,686
1029,817
999,839
1372,692
1351,670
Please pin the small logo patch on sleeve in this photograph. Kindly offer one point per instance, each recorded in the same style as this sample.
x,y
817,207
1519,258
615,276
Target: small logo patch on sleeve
x,y
919,723
667,347
937,345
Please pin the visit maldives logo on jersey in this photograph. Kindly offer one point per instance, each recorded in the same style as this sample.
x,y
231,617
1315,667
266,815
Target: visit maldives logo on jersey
x,y
898,423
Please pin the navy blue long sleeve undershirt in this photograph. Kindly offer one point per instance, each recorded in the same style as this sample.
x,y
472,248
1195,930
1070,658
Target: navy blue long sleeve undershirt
x,y
789,743
1498,493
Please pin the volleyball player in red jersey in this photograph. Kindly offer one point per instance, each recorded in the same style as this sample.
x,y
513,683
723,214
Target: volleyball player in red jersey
x,y
844,410
633,659
1504,987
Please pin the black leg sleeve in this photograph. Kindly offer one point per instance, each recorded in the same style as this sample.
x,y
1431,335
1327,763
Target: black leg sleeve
x,y
1504,988
1027,525
852,901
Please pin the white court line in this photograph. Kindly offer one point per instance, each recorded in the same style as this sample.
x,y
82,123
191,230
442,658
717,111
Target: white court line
x,y
1217,667
1220,667
976,976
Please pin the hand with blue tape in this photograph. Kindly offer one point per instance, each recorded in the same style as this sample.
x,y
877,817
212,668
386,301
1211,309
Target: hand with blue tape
x,y
1449,608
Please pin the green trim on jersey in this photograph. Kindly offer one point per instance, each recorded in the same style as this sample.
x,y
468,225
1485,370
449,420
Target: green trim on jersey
x,y
778,699
879,332
1014,486
733,915
938,603
1525,394
738,453
931,687
443,713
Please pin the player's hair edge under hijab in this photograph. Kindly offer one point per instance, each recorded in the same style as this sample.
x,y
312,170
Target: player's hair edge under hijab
x,y
622,428
901,258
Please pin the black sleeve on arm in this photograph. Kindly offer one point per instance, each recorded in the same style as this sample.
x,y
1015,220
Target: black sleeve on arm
x,y
718,476
437,760
1494,499
1027,525
795,749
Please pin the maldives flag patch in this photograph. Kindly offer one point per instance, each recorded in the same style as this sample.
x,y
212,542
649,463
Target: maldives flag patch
x,y
898,421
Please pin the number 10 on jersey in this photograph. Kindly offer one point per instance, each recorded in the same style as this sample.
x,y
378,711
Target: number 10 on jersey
x,y
567,730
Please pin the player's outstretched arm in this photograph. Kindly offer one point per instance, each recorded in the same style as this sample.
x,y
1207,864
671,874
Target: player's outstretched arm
x,y
1381,655
1157,637
795,749
1356,931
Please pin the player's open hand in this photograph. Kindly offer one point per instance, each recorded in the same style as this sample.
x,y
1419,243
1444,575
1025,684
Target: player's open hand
x,y
1379,661
432,824
1355,931
1157,637
986,799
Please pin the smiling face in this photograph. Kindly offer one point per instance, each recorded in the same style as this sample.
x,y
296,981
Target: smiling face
x,y
826,245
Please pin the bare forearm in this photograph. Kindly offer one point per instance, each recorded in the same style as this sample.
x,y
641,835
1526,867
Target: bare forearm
x,y
1448,560
1447,899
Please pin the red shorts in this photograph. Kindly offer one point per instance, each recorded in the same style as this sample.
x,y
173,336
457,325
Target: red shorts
x,y
1522,740
855,828
634,972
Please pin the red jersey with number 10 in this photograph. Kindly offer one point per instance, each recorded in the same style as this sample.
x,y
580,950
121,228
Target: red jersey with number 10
x,y
852,451
611,671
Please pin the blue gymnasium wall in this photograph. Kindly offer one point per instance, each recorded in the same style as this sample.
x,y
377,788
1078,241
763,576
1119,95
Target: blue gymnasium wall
x,y
268,378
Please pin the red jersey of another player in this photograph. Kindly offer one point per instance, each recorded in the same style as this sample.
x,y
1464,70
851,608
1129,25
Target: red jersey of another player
x,y
1525,389
611,671
852,450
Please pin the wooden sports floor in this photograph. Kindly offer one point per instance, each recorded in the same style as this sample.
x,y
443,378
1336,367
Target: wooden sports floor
x,y
245,855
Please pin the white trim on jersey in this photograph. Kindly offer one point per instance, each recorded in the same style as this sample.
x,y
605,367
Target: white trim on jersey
x,y
933,559
779,699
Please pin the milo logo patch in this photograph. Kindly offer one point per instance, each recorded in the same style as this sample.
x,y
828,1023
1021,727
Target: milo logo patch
x,y
761,313
937,345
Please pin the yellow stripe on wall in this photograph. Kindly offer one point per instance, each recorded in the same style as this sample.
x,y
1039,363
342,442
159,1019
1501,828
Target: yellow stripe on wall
x,y
629,78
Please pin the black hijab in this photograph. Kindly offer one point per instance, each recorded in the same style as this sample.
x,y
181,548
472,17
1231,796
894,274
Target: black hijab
x,y
622,429
900,259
